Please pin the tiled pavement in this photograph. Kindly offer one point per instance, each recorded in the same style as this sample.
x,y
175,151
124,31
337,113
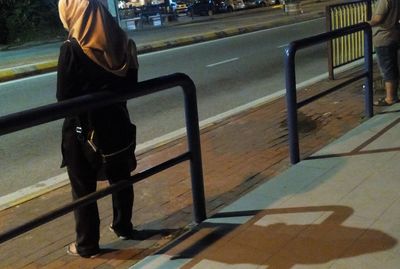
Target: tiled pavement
x,y
338,209
239,154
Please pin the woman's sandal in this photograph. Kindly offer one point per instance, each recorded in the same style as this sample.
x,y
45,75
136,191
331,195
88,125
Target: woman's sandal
x,y
382,102
71,250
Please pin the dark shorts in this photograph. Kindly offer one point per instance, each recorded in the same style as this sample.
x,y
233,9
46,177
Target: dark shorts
x,y
388,62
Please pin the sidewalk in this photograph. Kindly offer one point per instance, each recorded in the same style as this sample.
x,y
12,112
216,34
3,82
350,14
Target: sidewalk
x,y
338,209
239,154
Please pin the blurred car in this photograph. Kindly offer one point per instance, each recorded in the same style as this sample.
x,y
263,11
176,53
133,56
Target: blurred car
x,y
260,3
256,3
210,7
273,2
206,7
181,7
234,5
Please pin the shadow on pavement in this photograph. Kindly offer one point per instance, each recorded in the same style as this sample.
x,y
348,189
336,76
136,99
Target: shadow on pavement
x,y
279,238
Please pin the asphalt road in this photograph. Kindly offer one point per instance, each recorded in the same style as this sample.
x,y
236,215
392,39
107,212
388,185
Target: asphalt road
x,y
227,72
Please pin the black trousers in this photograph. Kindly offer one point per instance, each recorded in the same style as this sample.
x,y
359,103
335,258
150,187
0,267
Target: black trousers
x,y
83,177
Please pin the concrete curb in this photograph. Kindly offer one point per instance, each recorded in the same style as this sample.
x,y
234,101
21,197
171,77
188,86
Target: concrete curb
x,y
226,32
51,65
27,70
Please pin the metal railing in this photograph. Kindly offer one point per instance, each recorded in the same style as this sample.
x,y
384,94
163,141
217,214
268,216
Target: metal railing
x,y
290,72
29,118
346,49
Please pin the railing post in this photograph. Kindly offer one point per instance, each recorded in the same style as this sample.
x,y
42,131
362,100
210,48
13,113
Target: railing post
x,y
369,109
328,14
369,9
193,136
291,101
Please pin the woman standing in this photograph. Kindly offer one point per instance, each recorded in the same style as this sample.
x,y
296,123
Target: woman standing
x,y
97,56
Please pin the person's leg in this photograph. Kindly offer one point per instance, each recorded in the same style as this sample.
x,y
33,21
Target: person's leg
x,y
87,219
391,91
392,73
122,200
388,66
83,182
396,74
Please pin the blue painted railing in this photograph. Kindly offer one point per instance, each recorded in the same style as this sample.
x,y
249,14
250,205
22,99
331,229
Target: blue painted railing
x,y
29,118
290,73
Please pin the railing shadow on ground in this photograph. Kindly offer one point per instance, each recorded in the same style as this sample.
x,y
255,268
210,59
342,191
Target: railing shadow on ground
x,y
29,118
359,150
290,74
318,239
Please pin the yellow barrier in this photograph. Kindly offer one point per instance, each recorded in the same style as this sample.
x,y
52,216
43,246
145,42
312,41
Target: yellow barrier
x,y
348,48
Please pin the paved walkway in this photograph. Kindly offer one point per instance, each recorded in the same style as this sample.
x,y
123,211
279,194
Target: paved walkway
x,y
338,209
239,154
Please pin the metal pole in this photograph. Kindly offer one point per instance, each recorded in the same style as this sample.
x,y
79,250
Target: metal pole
x,y
193,136
328,12
369,10
291,103
369,109
117,17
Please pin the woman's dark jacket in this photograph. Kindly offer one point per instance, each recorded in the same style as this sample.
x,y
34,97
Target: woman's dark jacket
x,y
79,75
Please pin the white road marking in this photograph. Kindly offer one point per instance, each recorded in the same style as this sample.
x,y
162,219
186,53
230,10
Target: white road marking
x,y
223,62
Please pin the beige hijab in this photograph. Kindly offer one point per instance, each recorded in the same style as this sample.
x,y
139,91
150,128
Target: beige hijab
x,y
100,37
